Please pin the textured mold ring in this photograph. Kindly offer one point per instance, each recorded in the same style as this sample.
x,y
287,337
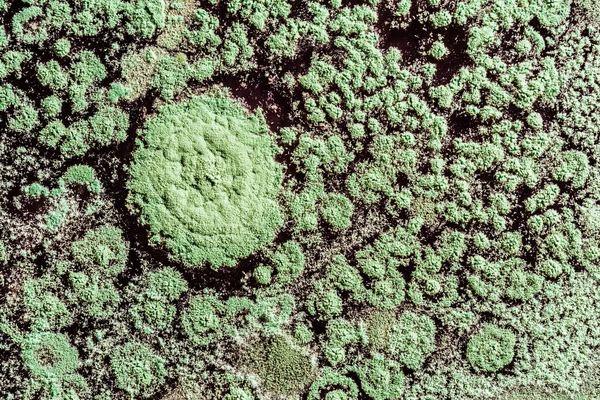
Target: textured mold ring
x,y
205,181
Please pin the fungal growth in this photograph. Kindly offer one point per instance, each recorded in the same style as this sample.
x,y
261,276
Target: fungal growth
x,y
206,182
289,200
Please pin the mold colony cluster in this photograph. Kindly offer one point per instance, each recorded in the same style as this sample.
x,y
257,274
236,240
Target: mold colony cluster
x,y
276,200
